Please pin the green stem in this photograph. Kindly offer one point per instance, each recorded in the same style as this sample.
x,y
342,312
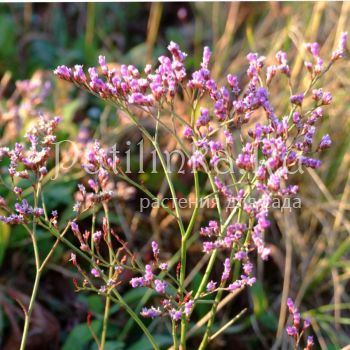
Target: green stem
x,y
218,296
173,329
136,319
55,232
171,187
110,274
28,313
105,323
183,259
215,252
148,293
216,195
147,192
207,272
184,321
90,24
205,339
165,169
120,300
52,250
188,231
184,324
213,258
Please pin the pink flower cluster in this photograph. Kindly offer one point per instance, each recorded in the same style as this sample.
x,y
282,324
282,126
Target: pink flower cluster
x,y
30,164
296,330
169,302
99,165
127,85
260,159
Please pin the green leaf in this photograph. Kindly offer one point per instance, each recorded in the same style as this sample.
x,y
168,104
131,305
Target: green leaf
x,y
269,321
328,263
137,54
144,344
80,336
94,302
110,345
4,238
132,296
259,299
260,306
7,37
68,112
58,194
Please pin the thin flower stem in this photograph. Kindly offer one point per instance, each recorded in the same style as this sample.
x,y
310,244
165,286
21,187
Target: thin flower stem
x,y
93,224
206,273
110,273
28,312
148,294
217,299
215,252
120,300
188,232
218,296
65,241
171,132
147,192
205,338
184,321
134,316
228,324
216,195
171,187
94,336
105,324
58,240
213,258
164,166
173,331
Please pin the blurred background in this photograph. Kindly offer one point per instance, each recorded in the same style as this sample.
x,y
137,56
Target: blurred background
x,y
310,247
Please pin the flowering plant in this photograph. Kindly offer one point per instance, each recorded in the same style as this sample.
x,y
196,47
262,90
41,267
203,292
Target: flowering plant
x,y
239,155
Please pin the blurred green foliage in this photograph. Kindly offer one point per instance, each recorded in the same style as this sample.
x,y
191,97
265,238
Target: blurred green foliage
x,y
37,35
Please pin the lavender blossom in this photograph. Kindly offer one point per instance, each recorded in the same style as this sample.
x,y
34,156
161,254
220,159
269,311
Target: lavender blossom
x,y
163,266
160,286
297,99
188,308
295,330
148,274
339,52
155,249
325,143
63,72
150,312
175,314
227,269
95,273
137,282
211,286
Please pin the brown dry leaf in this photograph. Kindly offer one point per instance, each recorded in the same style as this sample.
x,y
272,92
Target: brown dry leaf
x,y
44,329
